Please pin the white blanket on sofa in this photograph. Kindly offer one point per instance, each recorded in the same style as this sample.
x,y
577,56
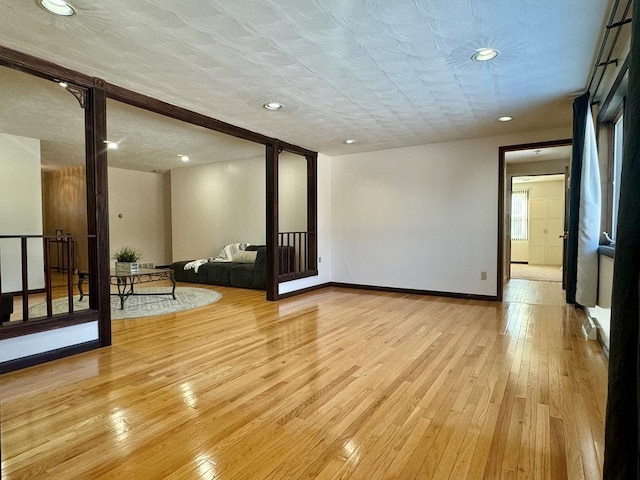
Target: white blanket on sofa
x,y
229,251
226,255
195,264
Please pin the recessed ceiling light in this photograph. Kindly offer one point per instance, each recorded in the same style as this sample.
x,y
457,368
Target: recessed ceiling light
x,y
63,84
184,158
506,118
111,145
350,141
57,7
273,106
484,54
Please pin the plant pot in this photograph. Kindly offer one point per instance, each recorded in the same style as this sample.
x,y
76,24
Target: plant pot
x,y
126,268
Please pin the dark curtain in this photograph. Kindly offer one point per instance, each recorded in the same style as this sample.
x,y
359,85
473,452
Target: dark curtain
x,y
621,458
580,106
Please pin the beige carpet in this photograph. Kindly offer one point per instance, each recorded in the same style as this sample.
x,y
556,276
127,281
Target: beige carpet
x,y
544,273
139,306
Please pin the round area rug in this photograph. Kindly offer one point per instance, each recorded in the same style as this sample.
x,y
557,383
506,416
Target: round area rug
x,y
139,305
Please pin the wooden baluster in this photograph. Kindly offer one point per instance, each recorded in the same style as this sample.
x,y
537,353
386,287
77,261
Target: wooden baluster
x,y
297,248
25,279
306,251
1,306
47,276
69,241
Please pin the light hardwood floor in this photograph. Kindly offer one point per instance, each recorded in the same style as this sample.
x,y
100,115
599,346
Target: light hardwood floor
x,y
334,384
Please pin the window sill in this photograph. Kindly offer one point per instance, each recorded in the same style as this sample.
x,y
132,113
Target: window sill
x,y
607,250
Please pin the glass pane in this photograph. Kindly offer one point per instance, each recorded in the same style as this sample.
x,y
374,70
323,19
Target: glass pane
x,y
617,172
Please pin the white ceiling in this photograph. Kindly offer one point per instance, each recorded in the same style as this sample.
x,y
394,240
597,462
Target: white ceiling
x,y
388,73
536,179
38,108
539,154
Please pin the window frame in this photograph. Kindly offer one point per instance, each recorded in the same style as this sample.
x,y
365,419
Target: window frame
x,y
615,166
523,219
611,109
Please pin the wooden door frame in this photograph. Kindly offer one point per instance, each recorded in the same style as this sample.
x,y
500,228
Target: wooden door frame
x,y
502,174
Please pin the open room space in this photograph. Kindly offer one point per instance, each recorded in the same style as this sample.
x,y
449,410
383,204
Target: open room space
x,y
357,240
338,383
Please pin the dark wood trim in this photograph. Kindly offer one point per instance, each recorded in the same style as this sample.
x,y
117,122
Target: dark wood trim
x,y
288,147
19,329
25,278
532,146
502,171
163,108
608,129
410,291
98,207
272,211
297,276
312,211
95,126
520,263
42,68
313,288
611,105
31,292
32,360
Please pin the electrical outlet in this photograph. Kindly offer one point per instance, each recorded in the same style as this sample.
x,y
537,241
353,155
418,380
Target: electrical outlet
x,y
319,259
483,275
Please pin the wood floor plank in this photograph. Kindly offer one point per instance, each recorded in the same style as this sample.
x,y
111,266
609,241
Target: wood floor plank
x,y
335,384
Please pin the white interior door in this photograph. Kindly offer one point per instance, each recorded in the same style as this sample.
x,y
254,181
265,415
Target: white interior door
x,y
537,229
555,229
546,225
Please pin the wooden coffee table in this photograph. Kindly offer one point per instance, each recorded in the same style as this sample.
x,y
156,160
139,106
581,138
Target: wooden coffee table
x,y
125,282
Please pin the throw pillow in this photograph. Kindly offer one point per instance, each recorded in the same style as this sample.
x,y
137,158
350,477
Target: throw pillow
x,y
245,256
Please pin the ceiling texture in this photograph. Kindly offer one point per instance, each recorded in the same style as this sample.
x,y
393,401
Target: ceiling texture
x,y
387,73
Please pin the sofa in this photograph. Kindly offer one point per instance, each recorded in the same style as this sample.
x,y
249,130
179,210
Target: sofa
x,y
235,274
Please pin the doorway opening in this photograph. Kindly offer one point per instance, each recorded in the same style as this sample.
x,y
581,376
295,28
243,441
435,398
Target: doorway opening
x,y
537,227
533,211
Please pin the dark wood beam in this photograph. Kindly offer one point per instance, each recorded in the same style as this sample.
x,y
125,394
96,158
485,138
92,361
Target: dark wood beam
x,y
98,208
163,108
272,211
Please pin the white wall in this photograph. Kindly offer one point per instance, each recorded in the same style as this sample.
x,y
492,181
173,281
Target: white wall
x,y
421,217
324,232
553,189
138,214
292,193
20,210
520,251
42,342
216,204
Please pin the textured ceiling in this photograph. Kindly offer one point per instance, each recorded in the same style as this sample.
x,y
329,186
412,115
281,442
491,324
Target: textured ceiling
x,y
388,73
38,108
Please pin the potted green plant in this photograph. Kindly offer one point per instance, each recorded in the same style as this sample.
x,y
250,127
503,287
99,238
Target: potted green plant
x,y
127,260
